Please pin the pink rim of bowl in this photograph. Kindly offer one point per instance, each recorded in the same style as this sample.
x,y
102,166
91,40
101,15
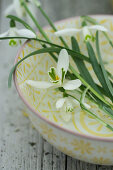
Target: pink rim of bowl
x,y
103,139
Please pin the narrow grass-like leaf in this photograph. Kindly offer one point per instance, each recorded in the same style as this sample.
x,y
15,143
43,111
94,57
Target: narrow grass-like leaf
x,y
90,19
96,68
108,110
82,67
90,112
43,50
71,52
87,85
102,66
110,75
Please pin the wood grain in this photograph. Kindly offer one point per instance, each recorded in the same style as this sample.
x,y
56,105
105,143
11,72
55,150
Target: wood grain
x,y
21,147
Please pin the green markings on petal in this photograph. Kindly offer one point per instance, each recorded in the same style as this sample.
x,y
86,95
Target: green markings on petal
x,y
63,75
12,43
69,109
53,76
93,21
87,37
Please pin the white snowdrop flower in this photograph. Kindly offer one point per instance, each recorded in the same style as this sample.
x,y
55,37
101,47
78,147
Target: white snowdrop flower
x,y
14,32
66,107
85,31
57,75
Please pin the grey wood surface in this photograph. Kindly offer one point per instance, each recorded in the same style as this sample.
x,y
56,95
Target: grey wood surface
x,y
21,147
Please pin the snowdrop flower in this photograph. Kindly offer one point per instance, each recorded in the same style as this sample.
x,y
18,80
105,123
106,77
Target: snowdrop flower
x,y
66,107
20,10
85,31
57,75
14,32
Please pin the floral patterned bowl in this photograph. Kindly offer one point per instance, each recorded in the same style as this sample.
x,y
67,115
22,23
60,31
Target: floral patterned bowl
x,y
83,137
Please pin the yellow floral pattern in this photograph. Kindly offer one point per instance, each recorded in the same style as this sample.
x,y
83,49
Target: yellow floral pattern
x,y
48,131
101,160
67,151
83,147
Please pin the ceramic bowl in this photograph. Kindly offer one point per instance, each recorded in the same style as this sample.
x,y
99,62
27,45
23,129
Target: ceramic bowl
x,y
83,137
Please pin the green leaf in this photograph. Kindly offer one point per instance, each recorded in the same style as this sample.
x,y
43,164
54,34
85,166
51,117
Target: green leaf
x,y
82,67
22,22
43,50
96,68
102,66
90,19
71,52
87,85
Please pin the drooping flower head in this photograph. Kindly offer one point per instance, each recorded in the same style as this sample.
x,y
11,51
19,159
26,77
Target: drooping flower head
x,y
14,32
66,106
85,31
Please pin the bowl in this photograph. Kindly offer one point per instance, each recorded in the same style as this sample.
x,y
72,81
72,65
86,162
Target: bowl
x,y
83,137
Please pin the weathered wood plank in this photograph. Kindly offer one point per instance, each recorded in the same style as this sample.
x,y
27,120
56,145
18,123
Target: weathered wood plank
x,y
47,163
59,160
21,147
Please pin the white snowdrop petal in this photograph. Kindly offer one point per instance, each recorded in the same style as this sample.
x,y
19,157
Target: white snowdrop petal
x,y
60,103
86,31
4,34
66,116
87,105
39,84
12,32
67,31
75,102
63,62
26,33
69,106
9,9
72,84
98,27
19,9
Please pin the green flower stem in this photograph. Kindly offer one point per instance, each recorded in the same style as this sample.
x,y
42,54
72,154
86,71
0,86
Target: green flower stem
x,y
35,21
88,97
83,95
91,113
52,25
38,25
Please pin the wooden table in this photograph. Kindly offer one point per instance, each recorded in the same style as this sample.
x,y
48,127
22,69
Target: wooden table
x,y
21,147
